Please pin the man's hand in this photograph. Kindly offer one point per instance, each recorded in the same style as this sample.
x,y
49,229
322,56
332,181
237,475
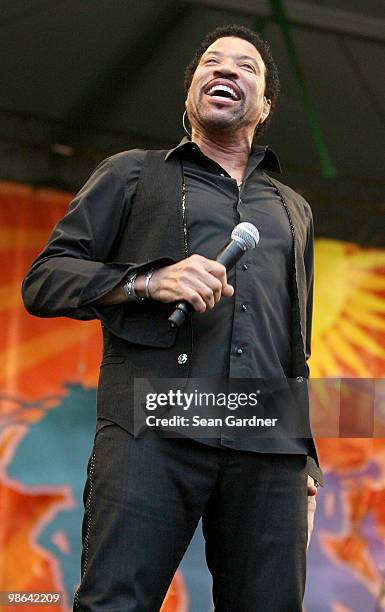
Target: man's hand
x,y
311,506
198,280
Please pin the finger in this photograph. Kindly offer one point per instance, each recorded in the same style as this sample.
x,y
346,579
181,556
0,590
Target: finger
x,y
311,504
218,270
311,488
207,285
213,284
208,271
195,299
206,293
217,288
228,291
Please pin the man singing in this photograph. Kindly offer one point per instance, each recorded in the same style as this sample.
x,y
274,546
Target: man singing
x,y
141,235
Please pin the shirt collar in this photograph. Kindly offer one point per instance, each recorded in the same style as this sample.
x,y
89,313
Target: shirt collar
x,y
270,160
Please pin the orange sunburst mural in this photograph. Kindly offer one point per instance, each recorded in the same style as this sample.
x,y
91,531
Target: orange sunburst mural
x,y
39,359
349,343
349,312
48,375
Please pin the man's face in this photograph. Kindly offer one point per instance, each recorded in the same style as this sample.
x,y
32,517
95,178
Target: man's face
x,y
227,89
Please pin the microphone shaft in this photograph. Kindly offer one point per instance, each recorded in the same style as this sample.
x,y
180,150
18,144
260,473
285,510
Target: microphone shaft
x,y
231,254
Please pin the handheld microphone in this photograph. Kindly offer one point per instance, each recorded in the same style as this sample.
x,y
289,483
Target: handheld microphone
x,y
244,237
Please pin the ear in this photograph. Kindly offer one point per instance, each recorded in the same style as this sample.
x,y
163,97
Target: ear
x,y
266,109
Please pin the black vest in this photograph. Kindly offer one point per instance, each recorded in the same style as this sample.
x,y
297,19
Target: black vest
x,y
153,229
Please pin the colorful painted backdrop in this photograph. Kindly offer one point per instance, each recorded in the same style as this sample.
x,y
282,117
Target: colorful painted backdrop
x,y
48,375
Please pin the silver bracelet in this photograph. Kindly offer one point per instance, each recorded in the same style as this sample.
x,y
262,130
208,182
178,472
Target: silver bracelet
x,y
129,288
149,274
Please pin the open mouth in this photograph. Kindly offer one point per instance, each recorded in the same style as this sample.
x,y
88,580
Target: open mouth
x,y
223,91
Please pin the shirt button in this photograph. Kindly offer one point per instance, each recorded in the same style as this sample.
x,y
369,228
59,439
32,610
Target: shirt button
x,y
239,351
245,266
244,307
222,174
299,379
182,358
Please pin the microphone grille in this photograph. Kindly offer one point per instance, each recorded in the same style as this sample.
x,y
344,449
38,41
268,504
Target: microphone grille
x,y
247,233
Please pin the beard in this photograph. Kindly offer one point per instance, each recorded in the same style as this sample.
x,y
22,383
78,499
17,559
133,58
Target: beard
x,y
218,120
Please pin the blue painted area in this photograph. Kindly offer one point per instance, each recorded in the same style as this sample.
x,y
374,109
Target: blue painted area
x,y
55,452
196,575
328,581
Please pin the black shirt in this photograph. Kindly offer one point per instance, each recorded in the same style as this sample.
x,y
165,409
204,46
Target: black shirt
x,y
247,335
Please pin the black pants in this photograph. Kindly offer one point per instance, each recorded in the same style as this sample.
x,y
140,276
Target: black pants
x,y
143,500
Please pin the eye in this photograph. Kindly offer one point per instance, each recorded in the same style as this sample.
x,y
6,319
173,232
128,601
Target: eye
x,y
211,60
248,66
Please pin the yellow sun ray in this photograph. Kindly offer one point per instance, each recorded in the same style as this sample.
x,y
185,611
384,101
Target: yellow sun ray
x,y
348,321
368,259
367,301
351,332
322,360
366,318
348,354
374,282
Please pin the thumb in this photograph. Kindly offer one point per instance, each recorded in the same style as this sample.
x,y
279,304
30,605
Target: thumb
x,y
228,291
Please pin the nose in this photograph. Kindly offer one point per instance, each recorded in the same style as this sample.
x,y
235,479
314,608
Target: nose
x,y
226,67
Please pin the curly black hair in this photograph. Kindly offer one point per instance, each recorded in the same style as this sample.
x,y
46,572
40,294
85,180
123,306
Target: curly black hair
x,y
271,76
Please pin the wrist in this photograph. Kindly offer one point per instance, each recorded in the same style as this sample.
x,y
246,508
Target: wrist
x,y
153,283
129,288
139,286
142,284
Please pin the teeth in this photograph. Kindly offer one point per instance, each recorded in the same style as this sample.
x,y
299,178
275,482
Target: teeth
x,y
223,88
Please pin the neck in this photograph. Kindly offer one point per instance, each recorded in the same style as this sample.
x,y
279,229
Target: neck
x,y
231,151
